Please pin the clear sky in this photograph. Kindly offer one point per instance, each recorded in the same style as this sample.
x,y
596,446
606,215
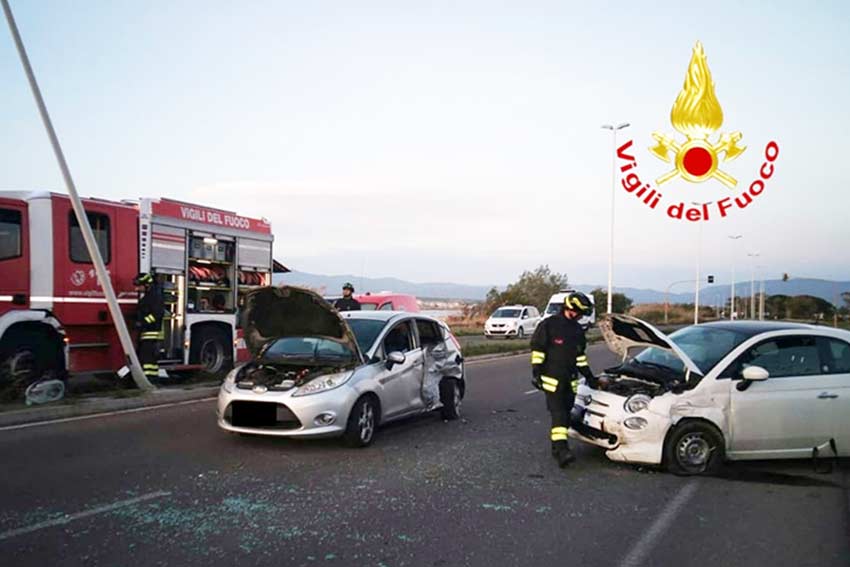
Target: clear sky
x,y
443,141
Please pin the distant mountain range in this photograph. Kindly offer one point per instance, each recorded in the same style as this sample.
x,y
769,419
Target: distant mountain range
x,y
709,295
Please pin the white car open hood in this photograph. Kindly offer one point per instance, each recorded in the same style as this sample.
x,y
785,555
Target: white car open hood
x,y
271,313
622,333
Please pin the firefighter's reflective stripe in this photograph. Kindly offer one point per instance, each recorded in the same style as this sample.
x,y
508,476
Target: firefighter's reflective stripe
x,y
559,434
537,357
581,360
151,369
150,318
549,384
574,385
153,336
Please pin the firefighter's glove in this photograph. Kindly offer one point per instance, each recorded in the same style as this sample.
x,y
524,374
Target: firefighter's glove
x,y
536,381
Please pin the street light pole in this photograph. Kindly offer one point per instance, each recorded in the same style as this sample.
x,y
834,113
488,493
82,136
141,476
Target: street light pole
x,y
732,303
699,261
753,284
614,130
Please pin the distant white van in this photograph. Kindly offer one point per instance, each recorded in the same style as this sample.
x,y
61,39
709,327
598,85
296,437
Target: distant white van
x,y
512,321
556,303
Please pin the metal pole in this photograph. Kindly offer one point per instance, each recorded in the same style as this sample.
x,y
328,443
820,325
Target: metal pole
x,y
753,255
696,292
79,211
611,239
761,299
732,302
613,192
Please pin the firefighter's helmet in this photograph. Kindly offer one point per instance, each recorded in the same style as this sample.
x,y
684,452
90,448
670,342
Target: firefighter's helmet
x,y
143,279
579,302
349,286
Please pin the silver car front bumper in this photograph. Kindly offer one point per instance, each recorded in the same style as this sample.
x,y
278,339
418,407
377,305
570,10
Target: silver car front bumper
x,y
281,414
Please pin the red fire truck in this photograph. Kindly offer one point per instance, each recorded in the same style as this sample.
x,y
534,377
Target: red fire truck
x,y
53,315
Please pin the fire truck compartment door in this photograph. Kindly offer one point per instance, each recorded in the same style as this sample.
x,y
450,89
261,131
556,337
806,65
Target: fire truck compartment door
x,y
168,250
255,253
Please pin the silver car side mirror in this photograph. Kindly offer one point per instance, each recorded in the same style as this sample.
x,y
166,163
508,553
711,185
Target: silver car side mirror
x,y
395,357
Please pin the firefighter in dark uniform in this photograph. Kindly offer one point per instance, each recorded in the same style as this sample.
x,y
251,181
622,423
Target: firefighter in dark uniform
x,y
151,310
347,302
557,357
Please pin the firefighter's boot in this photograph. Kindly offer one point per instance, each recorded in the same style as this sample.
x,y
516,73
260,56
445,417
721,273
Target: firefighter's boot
x,y
563,454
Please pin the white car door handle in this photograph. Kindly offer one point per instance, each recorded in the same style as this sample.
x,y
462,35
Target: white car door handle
x,y
827,396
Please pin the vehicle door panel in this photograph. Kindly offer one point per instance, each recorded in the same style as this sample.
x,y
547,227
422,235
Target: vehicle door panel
x,y
14,255
836,390
401,382
782,416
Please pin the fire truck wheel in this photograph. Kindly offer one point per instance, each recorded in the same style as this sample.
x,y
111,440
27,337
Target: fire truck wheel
x,y
211,350
25,357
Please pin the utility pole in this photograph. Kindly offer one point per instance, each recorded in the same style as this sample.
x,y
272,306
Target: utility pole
x,y
79,211
614,130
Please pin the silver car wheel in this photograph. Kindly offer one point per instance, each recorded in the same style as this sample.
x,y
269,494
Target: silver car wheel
x,y
366,422
693,451
458,399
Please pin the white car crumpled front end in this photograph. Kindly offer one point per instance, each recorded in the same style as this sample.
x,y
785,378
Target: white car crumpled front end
x,y
602,418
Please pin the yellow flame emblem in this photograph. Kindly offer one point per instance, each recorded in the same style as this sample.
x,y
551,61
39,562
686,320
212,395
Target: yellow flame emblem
x,y
697,114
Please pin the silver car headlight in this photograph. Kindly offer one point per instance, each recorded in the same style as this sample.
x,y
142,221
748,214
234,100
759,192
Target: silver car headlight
x,y
635,423
323,383
637,402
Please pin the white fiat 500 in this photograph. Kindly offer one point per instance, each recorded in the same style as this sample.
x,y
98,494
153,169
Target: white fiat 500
x,y
725,390
320,373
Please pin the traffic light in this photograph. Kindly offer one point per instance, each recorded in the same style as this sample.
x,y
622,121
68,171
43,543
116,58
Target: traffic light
x,y
710,279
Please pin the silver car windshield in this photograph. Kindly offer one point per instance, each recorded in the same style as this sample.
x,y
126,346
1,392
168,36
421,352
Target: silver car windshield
x,y
706,346
365,331
506,314
309,348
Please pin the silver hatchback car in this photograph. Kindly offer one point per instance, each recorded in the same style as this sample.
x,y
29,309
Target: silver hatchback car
x,y
320,373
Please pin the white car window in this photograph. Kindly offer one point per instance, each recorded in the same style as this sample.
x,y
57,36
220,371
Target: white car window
x,y
839,353
783,357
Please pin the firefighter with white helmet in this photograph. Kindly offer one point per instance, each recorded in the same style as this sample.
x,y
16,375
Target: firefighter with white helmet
x,y
558,356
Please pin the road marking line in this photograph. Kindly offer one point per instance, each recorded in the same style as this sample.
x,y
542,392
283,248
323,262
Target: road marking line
x,y
642,548
104,414
84,514
528,393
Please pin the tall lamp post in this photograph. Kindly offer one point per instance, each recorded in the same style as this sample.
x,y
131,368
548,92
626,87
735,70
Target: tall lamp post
x,y
614,130
753,255
732,303
699,261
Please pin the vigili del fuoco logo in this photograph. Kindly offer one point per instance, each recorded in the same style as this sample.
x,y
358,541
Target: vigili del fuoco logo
x,y
700,157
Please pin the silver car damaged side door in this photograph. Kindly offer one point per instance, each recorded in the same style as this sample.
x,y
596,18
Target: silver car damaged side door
x,y
400,384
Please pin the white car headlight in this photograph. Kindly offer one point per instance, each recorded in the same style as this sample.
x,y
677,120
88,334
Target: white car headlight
x,y
635,423
637,402
323,383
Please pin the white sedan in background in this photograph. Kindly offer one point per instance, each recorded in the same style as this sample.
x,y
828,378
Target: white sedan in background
x,y
518,321
726,390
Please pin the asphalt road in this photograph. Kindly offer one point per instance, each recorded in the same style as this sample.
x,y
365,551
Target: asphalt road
x,y
166,487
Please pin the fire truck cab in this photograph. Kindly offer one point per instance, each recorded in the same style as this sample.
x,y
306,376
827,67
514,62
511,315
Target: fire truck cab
x,y
53,314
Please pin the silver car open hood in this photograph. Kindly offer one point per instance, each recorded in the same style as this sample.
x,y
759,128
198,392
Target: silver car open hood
x,y
271,313
622,333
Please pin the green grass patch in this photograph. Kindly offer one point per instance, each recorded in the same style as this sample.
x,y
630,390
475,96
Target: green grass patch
x,y
495,347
